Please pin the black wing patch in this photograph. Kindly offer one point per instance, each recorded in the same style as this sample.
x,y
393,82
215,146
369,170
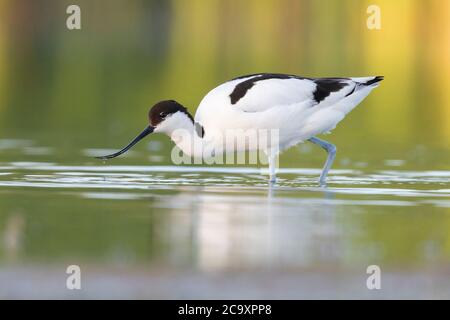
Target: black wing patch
x,y
199,130
374,80
242,88
326,86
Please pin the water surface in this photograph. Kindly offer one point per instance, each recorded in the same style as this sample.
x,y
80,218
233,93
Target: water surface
x,y
168,225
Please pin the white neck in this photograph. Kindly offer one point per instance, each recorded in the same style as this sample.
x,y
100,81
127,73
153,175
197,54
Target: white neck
x,y
180,128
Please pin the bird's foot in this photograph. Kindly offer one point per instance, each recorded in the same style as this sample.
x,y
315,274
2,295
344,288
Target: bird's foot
x,y
272,179
323,182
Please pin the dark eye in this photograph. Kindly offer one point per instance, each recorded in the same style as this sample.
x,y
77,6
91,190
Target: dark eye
x,y
163,114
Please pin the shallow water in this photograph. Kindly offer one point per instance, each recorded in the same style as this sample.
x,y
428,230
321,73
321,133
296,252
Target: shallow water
x,y
157,223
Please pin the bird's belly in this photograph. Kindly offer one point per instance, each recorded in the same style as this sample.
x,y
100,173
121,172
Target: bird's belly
x,y
229,131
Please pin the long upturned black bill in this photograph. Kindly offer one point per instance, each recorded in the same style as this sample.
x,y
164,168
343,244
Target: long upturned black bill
x,y
143,134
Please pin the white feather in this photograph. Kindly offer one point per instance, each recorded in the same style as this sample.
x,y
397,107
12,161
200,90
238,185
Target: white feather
x,y
284,104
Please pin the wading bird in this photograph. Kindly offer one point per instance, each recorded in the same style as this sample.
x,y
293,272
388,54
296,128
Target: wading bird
x,y
298,108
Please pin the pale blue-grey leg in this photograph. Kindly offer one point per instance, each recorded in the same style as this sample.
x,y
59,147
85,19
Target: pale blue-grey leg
x,y
272,168
331,150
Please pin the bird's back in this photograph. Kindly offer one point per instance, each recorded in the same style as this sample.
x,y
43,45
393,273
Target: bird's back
x,y
307,106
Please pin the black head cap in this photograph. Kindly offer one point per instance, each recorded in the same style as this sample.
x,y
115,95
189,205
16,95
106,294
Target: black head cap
x,y
163,109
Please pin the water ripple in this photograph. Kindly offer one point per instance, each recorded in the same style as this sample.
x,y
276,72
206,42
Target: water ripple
x,y
388,184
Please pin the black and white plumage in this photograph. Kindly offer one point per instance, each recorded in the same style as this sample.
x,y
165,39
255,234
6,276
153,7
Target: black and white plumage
x,y
299,108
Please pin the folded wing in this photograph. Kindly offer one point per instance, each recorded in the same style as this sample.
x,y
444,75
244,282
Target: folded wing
x,y
257,93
